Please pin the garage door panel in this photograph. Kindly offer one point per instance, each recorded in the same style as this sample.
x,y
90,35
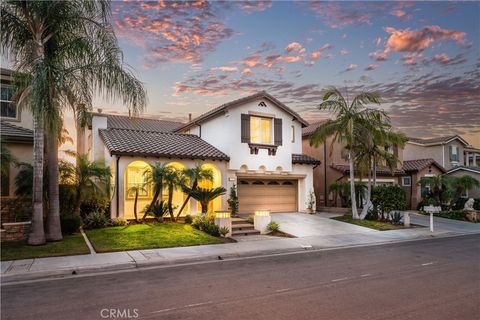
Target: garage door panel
x,y
274,197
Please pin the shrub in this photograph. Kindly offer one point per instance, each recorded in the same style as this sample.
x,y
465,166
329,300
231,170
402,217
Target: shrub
x,y
117,222
94,204
224,231
158,210
233,200
188,219
250,219
273,226
456,214
210,217
205,225
197,222
388,198
70,223
395,218
96,220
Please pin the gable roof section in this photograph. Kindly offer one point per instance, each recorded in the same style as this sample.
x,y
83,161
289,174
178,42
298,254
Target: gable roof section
x,y
224,107
159,144
304,159
417,165
437,141
464,168
141,124
13,133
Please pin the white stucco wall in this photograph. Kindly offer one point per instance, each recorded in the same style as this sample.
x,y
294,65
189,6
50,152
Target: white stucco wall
x,y
224,132
98,147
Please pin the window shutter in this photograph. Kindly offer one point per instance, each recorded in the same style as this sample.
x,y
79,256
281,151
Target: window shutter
x,y
450,153
277,132
245,128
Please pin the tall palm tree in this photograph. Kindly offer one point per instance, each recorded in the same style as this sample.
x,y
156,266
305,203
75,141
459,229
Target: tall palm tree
x,y
194,176
65,48
6,158
346,128
87,177
135,190
204,196
173,179
155,176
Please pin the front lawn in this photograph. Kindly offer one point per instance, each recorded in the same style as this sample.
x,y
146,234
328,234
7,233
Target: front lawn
x,y
372,224
148,236
71,245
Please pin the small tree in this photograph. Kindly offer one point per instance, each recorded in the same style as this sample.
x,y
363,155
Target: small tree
x,y
136,190
233,200
388,198
204,196
311,203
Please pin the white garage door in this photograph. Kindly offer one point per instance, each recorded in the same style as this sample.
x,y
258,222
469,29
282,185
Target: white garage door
x,y
273,195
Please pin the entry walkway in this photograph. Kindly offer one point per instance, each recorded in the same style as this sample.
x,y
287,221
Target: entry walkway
x,y
312,231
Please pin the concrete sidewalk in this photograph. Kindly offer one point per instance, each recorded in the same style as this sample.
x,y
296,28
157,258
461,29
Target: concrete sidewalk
x,y
30,269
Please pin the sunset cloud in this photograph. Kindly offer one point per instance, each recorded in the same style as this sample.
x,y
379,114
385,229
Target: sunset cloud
x,y
351,66
225,69
344,52
371,67
294,46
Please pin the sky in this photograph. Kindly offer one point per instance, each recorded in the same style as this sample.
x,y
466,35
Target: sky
x,y
422,57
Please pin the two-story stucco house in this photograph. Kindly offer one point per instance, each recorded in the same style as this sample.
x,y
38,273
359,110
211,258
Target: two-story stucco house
x,y
335,168
254,142
15,131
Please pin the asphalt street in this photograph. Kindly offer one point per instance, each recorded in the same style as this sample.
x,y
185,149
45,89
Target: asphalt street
x,y
430,279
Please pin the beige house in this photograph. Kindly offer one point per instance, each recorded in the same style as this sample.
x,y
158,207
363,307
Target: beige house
x,y
16,132
334,167
474,172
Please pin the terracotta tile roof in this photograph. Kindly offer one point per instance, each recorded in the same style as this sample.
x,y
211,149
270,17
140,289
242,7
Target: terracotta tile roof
x,y
262,94
438,140
159,144
141,124
417,165
384,171
465,168
13,133
306,132
304,159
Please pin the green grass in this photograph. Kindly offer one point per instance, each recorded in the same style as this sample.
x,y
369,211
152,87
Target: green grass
x,y
377,225
148,236
71,245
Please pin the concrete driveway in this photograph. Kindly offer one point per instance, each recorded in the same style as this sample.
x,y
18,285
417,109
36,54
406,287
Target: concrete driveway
x,y
320,224
447,225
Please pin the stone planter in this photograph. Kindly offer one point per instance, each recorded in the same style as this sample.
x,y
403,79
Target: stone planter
x,y
223,219
261,221
15,231
473,216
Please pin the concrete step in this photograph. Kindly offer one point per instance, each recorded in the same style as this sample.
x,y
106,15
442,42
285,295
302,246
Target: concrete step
x,y
243,226
245,232
238,221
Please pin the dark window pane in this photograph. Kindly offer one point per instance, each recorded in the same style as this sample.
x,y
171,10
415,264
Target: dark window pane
x,y
7,93
8,110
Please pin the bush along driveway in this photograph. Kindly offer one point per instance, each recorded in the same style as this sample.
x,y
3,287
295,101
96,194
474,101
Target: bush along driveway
x,y
148,236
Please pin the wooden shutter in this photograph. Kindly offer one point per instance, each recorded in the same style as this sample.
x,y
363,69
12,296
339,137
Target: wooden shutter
x,y
245,128
450,153
277,132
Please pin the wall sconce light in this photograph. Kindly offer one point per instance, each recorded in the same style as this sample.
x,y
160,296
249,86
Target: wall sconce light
x,y
231,179
262,213
222,214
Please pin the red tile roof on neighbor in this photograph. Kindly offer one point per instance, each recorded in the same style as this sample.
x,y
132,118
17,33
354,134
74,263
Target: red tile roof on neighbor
x,y
308,131
224,107
417,165
13,133
438,140
159,144
304,159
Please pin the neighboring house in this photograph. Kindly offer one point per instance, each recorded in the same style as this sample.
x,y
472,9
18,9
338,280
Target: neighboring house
x,y
254,143
335,168
473,171
15,131
448,151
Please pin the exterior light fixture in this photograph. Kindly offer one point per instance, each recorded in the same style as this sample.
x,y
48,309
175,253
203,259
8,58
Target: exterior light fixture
x,y
222,214
262,213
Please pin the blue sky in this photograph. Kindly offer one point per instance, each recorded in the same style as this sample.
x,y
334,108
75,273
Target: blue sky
x,y
422,57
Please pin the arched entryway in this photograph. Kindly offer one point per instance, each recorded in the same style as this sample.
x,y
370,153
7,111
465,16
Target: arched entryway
x,y
136,181
217,182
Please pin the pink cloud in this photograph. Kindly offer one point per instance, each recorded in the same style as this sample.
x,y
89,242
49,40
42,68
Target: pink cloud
x,y
251,61
225,69
344,52
247,71
351,66
339,16
251,6
294,46
378,55
371,67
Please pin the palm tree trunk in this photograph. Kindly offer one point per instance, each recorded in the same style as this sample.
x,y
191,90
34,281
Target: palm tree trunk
x,y
194,186
54,231
170,199
135,206
352,187
80,140
204,206
37,233
368,203
374,171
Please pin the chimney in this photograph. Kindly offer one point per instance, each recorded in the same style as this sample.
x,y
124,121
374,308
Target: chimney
x,y
189,117
99,110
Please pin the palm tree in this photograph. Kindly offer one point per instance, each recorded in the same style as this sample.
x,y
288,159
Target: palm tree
x,y
136,190
155,176
439,187
347,127
62,49
6,158
87,177
204,196
173,179
195,175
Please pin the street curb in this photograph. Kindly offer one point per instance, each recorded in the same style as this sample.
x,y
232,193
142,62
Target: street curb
x,y
67,273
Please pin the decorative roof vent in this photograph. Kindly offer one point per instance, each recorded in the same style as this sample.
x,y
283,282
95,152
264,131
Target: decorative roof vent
x,y
262,104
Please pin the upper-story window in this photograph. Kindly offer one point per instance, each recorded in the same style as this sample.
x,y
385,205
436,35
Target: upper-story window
x,y
292,134
260,130
8,109
454,157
